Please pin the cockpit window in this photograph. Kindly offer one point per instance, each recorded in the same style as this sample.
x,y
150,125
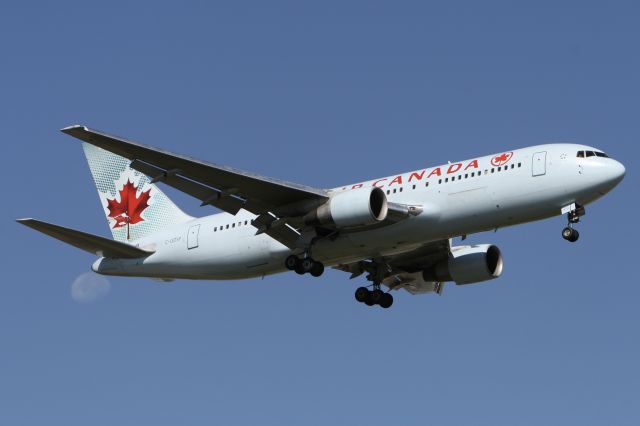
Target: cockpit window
x,y
583,154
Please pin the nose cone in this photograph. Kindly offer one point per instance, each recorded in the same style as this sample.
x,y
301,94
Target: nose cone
x,y
616,173
609,175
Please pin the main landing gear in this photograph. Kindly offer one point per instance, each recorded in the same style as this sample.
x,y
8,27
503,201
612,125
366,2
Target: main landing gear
x,y
574,212
303,266
374,297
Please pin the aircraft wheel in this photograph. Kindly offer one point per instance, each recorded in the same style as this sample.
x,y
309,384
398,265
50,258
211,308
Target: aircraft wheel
x,y
299,270
306,264
317,269
386,301
291,262
376,296
362,294
575,236
570,234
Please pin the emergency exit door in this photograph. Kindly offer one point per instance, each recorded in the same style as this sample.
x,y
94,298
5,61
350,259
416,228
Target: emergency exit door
x,y
539,166
192,237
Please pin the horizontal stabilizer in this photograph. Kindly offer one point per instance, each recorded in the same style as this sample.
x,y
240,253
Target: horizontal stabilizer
x,y
95,244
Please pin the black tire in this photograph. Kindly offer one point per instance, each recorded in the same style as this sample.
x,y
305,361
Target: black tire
x,y
376,296
317,269
567,233
386,301
306,264
299,269
362,294
291,262
575,235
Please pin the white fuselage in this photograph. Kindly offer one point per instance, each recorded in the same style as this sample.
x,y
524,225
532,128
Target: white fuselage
x,y
457,199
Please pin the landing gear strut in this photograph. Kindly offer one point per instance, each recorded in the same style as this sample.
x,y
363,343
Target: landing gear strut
x,y
374,297
304,265
574,212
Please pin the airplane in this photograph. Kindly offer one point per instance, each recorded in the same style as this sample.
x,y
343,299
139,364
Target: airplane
x,y
397,230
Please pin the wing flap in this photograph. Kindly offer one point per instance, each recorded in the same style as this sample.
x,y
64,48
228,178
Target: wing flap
x,y
224,200
204,193
404,269
94,244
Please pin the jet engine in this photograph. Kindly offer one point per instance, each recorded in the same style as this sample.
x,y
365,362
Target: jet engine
x,y
468,265
351,209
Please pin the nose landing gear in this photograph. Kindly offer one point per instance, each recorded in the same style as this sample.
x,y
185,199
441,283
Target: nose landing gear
x,y
574,212
570,234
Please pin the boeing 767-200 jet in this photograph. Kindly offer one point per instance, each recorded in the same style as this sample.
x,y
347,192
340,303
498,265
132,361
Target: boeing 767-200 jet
x,y
397,230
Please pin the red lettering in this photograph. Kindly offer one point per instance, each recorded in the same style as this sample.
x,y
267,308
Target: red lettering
x,y
474,163
435,171
418,176
378,181
451,169
356,186
397,179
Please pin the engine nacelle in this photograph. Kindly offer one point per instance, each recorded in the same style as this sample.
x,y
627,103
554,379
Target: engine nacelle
x,y
468,265
351,209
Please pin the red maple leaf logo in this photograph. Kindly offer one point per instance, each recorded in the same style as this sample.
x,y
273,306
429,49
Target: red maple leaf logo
x,y
501,159
128,211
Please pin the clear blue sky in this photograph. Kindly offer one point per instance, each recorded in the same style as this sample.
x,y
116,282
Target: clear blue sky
x,y
322,93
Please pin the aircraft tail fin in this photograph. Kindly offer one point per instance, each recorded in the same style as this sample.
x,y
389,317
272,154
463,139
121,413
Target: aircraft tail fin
x,y
134,206
95,244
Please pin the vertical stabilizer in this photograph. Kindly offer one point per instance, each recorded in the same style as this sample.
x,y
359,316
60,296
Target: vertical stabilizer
x,y
133,206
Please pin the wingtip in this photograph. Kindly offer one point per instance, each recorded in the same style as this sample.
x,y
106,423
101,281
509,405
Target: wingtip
x,y
70,129
24,220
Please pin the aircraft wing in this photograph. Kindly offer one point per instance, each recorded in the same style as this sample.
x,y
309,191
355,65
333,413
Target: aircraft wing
x,y
223,187
403,270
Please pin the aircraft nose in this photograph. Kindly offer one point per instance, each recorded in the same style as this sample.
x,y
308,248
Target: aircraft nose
x,y
611,174
617,172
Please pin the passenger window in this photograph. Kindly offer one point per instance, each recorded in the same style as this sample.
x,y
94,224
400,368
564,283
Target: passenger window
x,y
215,229
394,191
512,166
446,180
499,169
493,170
519,164
459,177
439,181
388,191
426,184
227,227
473,174
246,222
400,189
414,187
